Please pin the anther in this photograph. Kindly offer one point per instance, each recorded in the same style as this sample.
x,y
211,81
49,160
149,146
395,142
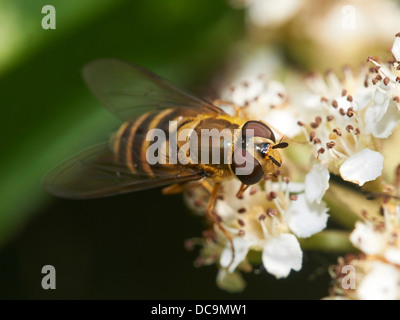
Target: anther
x,y
350,112
357,131
312,135
396,98
286,179
330,144
323,99
350,98
272,212
301,124
317,140
386,81
271,196
262,217
344,92
253,190
219,219
241,222
366,82
314,125
337,131
335,104
293,197
242,210
349,128
364,213
330,118
241,233
342,112
198,203
318,119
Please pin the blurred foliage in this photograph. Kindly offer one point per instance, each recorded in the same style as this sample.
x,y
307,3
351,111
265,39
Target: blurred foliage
x,y
48,114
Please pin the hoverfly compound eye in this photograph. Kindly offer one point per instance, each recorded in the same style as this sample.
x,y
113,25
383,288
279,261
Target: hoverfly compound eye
x,y
257,129
246,168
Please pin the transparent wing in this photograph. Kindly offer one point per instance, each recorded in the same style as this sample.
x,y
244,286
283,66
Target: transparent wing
x,y
128,90
95,173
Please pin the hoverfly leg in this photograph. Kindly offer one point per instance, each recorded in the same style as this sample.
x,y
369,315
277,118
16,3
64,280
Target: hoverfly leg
x,y
207,185
217,220
242,189
174,188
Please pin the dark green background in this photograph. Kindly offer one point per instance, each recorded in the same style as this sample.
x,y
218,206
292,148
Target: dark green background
x,y
128,246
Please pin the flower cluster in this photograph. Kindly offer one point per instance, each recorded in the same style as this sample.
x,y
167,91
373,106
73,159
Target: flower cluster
x,y
377,269
268,218
345,122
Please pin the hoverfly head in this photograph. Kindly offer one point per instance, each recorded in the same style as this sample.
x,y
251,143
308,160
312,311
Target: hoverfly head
x,y
256,155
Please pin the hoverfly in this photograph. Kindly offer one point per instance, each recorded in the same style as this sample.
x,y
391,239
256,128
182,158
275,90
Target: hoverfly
x,y
144,101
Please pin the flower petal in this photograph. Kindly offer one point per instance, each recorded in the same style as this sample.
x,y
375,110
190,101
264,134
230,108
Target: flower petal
x,y
241,250
393,255
282,254
365,238
231,282
306,218
381,283
365,165
396,48
283,120
317,182
384,127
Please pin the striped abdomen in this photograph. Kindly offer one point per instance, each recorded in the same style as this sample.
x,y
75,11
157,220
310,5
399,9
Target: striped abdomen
x,y
130,144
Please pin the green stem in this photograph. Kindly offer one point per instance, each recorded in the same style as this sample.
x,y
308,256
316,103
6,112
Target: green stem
x,y
331,241
328,241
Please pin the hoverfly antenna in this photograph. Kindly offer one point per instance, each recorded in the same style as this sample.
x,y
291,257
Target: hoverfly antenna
x,y
280,145
274,161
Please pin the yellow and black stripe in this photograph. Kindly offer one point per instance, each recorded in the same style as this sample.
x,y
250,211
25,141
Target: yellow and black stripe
x,y
130,143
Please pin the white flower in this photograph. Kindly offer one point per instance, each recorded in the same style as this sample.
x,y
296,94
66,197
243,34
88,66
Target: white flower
x,y
365,165
369,279
381,239
317,182
281,254
241,250
367,239
396,47
267,219
381,283
376,271
264,100
342,120
307,218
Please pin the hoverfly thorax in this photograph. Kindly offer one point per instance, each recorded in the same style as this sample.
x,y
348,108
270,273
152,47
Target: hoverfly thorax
x,y
256,153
